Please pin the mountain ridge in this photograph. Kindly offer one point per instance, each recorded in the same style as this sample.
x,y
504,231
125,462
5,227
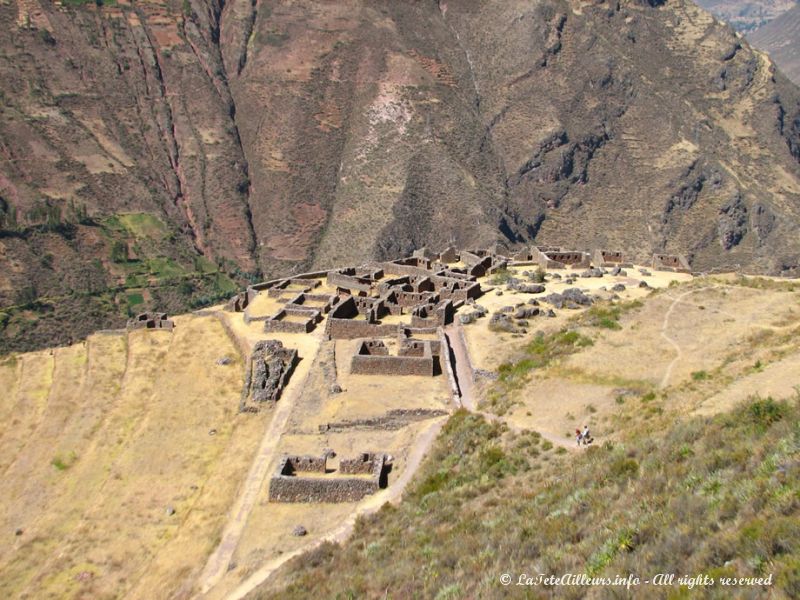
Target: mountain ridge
x,y
273,138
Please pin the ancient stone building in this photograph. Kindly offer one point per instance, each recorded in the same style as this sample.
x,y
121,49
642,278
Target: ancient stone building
x,y
150,320
609,258
549,258
414,357
356,478
671,262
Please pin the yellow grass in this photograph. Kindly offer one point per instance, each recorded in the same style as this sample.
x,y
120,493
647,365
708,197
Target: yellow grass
x,y
116,430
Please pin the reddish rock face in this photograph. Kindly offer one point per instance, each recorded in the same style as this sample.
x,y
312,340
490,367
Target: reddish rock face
x,y
275,136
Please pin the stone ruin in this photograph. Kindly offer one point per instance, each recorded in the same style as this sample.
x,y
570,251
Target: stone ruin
x,y
676,263
150,320
293,320
414,357
610,258
356,478
238,303
268,372
550,257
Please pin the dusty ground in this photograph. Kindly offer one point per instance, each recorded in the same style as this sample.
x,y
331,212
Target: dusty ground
x,y
707,341
489,349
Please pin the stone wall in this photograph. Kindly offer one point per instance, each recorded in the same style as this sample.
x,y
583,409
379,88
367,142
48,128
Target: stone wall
x,y
285,486
347,279
279,323
671,262
449,255
608,258
343,324
321,302
366,363
150,320
445,358
238,303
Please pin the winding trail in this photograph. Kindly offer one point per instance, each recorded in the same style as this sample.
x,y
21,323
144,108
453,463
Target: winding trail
x,y
664,326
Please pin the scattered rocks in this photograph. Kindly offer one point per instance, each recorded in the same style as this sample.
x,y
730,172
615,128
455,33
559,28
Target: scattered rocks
x,y
619,287
554,275
616,271
170,511
550,313
530,288
299,531
498,293
19,532
491,375
645,272
224,360
502,322
643,284
526,312
533,302
470,317
506,309
212,432
467,318
336,389
569,298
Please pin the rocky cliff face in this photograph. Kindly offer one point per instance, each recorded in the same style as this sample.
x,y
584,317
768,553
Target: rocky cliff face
x,y
275,136
781,40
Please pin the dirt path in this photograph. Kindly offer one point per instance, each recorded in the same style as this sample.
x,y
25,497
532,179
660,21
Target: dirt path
x,y
664,326
391,494
217,564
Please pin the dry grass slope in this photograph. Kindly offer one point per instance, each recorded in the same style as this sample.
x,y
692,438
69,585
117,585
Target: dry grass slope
x,y
99,440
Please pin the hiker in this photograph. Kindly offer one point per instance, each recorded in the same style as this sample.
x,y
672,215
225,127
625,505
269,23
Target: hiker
x,y
578,436
586,436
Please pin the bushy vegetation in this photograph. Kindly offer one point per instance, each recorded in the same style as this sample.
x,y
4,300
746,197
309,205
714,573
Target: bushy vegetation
x,y
607,315
716,496
537,354
500,277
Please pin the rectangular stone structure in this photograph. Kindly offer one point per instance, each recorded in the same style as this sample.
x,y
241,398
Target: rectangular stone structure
x,y
288,484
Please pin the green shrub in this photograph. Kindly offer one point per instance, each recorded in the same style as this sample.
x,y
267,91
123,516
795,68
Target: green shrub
x,y
763,413
700,375
119,252
623,468
500,277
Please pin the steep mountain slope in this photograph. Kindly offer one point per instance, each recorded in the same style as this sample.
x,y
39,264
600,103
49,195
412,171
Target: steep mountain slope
x,y
781,40
271,136
747,15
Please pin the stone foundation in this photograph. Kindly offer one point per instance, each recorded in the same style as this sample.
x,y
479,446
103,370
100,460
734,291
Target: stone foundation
x,y
150,320
288,485
415,357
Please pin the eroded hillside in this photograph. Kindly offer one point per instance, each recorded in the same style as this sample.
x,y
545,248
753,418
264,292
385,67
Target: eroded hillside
x,y
273,136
